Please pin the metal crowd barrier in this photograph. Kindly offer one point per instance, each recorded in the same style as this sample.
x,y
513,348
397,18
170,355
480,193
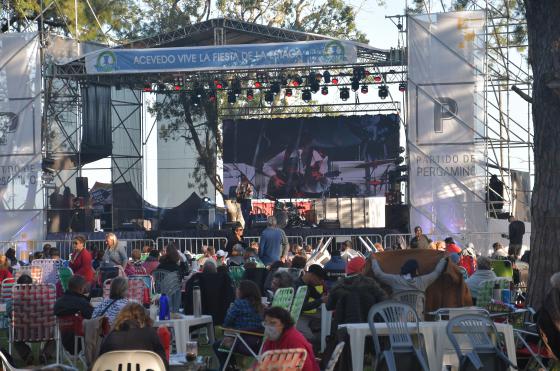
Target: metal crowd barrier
x,y
357,240
194,245
394,239
291,240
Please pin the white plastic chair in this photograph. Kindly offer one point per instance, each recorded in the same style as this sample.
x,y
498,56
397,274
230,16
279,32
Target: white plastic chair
x,y
415,298
335,356
138,360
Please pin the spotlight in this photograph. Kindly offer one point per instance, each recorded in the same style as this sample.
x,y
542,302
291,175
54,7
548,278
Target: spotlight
x,y
297,81
377,78
364,89
258,84
218,84
314,86
402,87
177,87
355,85
212,96
401,149
147,87
288,92
195,100
383,91
359,73
269,96
399,160
237,88
275,88
335,80
231,97
325,90
250,94
306,95
344,93
327,77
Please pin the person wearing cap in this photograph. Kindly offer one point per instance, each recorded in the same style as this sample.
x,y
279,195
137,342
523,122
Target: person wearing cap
x,y
221,257
352,296
409,278
335,268
451,247
310,317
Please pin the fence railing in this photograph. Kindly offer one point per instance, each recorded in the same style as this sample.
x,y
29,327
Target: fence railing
x,y
358,241
291,240
194,245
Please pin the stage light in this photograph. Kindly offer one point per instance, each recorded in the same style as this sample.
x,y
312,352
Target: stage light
x,y
297,81
195,100
344,94
383,91
306,95
288,92
284,81
258,84
250,94
237,87
355,85
314,86
402,87
199,91
275,87
161,87
325,90
334,80
327,77
231,97
147,87
364,89
401,149
269,96
377,78
399,160
359,73
219,85
177,87
318,77
212,96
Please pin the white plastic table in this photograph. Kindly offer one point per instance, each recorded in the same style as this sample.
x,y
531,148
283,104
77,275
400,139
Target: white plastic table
x,y
434,333
181,327
326,318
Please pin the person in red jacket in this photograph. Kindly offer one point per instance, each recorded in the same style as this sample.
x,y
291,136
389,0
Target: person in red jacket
x,y
81,260
451,247
4,268
281,333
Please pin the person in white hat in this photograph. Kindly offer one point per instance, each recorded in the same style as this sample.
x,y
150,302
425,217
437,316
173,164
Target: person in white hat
x,y
221,257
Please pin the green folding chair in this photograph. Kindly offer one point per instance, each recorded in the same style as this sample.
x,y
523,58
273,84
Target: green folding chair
x,y
64,275
502,268
486,289
297,304
283,298
236,273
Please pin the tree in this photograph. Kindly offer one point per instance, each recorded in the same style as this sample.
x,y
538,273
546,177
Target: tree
x,y
115,18
544,56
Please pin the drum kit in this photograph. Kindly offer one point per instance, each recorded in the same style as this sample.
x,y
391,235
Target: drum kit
x,y
288,214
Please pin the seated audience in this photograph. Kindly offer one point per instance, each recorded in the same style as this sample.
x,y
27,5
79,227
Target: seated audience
x,y
548,317
468,259
54,254
500,252
169,277
245,313
352,296
221,257
135,266
71,302
281,334
251,255
151,262
133,331
309,322
81,260
236,259
209,266
209,254
409,278
117,300
451,246
279,280
335,268
483,273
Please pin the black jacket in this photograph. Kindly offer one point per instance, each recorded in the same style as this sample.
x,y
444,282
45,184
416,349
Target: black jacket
x,y
312,298
352,297
72,303
516,232
216,292
134,338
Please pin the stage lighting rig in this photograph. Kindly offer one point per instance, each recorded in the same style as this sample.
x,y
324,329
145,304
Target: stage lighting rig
x,y
297,81
355,84
383,91
334,80
402,87
250,94
327,77
344,93
364,89
269,96
325,90
288,92
231,97
306,95
275,87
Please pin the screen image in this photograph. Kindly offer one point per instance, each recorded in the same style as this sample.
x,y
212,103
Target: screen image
x,y
343,156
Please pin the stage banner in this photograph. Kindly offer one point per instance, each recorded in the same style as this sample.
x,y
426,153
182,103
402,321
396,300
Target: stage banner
x,y
314,157
21,195
246,56
446,122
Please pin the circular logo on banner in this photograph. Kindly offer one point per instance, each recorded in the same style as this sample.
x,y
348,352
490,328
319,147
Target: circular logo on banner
x,y
106,61
334,51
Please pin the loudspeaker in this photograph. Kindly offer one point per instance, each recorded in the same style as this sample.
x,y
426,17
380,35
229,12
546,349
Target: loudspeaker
x,y
329,224
82,186
397,217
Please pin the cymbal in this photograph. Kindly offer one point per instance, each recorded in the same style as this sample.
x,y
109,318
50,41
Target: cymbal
x,y
376,163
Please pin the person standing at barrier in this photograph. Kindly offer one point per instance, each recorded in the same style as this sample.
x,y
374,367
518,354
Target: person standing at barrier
x,y
515,234
114,254
236,238
420,240
273,244
80,263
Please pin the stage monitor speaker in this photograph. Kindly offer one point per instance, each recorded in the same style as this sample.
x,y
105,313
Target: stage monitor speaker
x,y
329,224
82,186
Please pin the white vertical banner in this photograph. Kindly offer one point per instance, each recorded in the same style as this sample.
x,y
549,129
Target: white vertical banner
x,y
446,122
21,194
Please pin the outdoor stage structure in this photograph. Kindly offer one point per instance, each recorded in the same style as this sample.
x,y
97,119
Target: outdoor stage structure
x,y
95,107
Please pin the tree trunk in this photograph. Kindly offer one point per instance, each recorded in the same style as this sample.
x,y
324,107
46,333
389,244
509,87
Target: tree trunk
x,y
544,47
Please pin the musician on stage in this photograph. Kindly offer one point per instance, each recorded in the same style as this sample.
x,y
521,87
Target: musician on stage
x,y
244,193
297,172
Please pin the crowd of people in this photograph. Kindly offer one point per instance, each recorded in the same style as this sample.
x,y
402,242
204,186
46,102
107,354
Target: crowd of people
x,y
348,284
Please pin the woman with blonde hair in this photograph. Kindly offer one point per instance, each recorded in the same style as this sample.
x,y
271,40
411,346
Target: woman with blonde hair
x,y
133,330
114,254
